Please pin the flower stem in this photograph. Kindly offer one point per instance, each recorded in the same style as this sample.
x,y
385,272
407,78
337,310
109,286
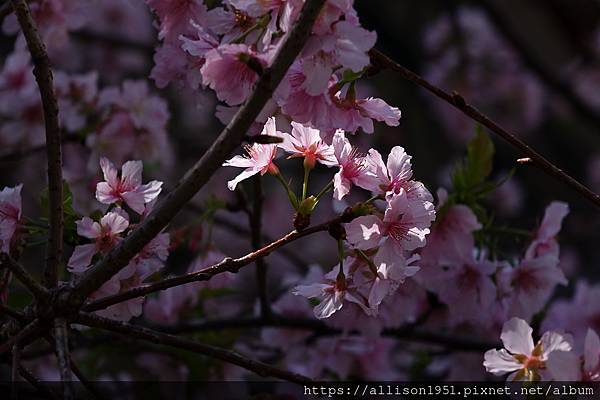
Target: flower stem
x,y
305,182
366,258
325,189
291,196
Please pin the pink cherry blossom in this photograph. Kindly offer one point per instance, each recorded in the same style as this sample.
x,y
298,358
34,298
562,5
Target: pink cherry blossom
x,y
451,238
307,143
146,111
17,83
591,356
75,94
259,158
393,176
578,314
128,187
350,113
353,167
403,227
333,293
227,71
304,103
175,15
10,214
545,241
520,357
571,366
104,234
389,270
468,291
532,283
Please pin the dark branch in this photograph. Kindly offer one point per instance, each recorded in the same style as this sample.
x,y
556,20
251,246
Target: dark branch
x,y
21,337
195,178
44,78
227,265
380,60
38,291
33,381
539,67
241,230
14,373
255,219
317,327
61,341
165,339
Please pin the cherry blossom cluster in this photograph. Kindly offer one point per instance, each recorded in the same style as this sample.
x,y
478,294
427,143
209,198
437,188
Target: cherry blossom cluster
x,y
225,48
118,122
381,244
481,290
122,192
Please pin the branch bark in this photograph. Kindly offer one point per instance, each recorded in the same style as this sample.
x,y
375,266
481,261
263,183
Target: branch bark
x,y
241,230
380,60
14,374
227,265
165,339
21,337
38,291
61,341
538,66
317,327
44,78
200,173
33,381
255,217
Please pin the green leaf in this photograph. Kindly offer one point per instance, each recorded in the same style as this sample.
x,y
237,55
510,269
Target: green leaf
x,y
476,166
69,213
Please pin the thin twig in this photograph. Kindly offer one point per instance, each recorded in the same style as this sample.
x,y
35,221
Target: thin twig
x,y
241,230
61,340
33,381
44,78
18,315
160,338
380,60
539,67
255,219
23,276
409,332
21,153
21,336
14,374
200,173
89,385
227,265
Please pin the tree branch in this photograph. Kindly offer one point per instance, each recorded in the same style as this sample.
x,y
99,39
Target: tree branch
x,y
227,265
21,336
14,373
539,67
38,291
380,60
61,341
165,339
33,381
409,332
200,173
43,76
241,230
255,219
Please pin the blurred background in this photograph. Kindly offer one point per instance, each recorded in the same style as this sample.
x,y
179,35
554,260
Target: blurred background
x,y
531,65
